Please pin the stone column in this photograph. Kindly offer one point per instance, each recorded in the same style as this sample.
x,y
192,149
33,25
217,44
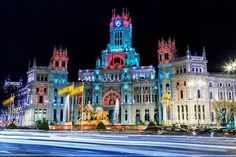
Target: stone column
x,y
164,113
122,112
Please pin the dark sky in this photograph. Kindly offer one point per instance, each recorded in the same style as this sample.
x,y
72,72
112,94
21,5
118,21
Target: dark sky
x,y
31,28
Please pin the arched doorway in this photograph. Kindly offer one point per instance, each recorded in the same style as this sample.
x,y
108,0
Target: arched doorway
x,y
108,101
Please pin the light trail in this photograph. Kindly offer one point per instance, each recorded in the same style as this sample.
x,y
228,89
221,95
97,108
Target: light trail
x,y
92,147
126,142
150,145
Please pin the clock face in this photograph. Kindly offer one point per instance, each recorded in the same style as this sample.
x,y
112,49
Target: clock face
x,y
117,23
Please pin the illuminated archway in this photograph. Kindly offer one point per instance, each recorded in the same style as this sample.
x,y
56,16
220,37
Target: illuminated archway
x,y
109,98
116,60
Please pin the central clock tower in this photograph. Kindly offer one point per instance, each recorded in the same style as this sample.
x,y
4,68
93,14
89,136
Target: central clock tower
x,y
119,52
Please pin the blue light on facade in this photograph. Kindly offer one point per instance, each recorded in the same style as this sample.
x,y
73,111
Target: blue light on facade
x,y
97,87
126,86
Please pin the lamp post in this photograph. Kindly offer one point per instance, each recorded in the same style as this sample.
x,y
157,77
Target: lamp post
x,y
71,115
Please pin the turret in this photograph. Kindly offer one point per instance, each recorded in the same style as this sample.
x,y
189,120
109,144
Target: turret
x,y
59,60
166,51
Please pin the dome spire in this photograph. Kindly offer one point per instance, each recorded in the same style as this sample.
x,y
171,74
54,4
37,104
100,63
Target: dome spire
x,y
203,52
188,53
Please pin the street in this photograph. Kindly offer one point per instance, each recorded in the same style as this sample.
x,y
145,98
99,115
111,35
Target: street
x,y
35,143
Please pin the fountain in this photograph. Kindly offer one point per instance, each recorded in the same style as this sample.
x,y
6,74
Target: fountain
x,y
91,118
116,112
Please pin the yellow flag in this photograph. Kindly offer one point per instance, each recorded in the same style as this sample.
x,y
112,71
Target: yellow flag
x,y
8,101
66,90
166,96
77,90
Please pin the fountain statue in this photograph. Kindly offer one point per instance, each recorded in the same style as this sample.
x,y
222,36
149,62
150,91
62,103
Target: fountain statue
x,y
116,112
92,118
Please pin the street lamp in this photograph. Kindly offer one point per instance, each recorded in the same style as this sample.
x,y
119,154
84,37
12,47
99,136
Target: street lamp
x,y
230,67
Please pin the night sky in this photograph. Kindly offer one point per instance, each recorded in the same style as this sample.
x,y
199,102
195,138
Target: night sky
x,y
31,28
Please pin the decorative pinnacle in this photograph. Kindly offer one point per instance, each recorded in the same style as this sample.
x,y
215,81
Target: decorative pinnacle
x,y
203,51
188,53
34,62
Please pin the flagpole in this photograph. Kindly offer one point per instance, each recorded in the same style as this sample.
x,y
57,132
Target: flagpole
x,y
72,112
11,104
72,108
72,105
82,102
68,112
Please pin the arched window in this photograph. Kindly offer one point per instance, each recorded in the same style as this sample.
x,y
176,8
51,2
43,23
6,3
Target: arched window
x,y
178,113
160,57
57,64
186,112
182,111
210,84
211,95
167,87
199,112
166,56
63,64
61,115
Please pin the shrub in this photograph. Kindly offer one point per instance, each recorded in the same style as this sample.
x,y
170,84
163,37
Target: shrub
x,y
142,122
151,126
165,123
42,125
38,123
11,126
101,126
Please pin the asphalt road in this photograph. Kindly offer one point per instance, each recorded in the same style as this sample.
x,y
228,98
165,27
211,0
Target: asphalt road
x,y
33,143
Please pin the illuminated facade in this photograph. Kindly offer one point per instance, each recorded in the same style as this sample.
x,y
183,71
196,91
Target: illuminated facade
x,y
182,92
38,99
118,75
191,89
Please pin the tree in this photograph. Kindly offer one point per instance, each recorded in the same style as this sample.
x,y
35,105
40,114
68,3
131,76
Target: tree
x,y
225,111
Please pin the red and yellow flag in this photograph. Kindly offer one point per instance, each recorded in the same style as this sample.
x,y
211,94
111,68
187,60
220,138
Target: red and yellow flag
x,y
166,96
77,90
65,90
8,101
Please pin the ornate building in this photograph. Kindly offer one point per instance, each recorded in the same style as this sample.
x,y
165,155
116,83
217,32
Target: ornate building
x,y
118,75
183,92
